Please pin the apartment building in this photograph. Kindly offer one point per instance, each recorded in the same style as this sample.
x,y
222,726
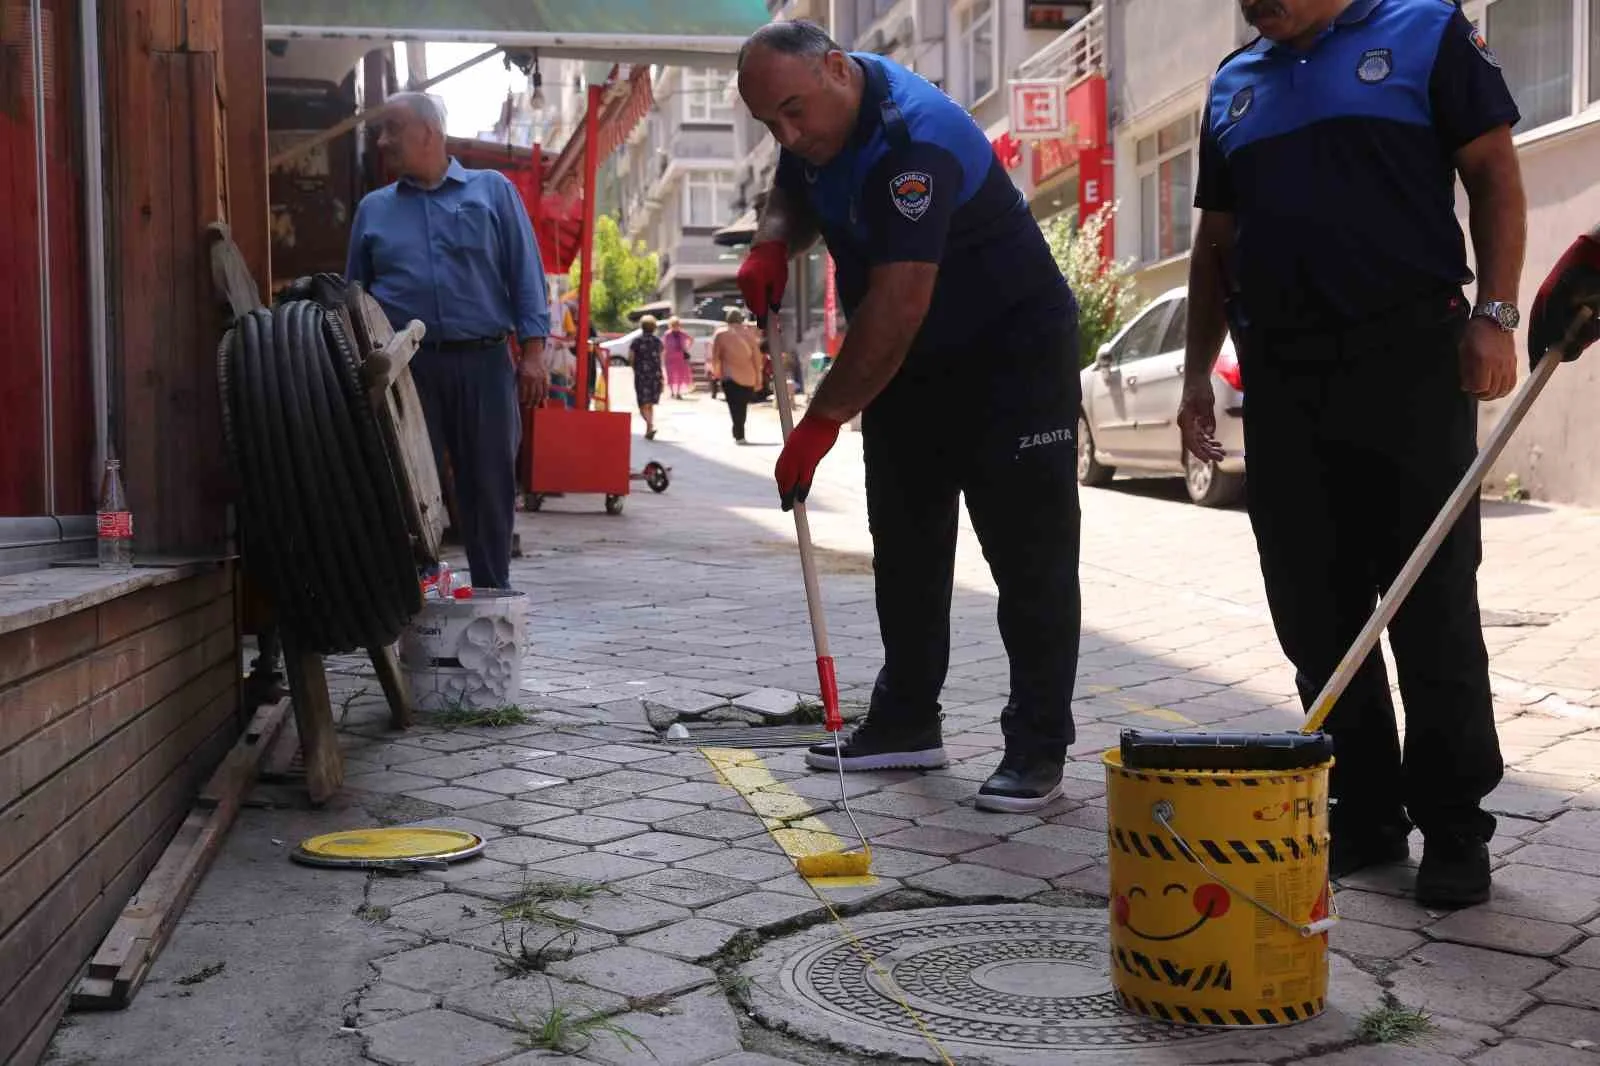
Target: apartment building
x,y
1162,54
675,177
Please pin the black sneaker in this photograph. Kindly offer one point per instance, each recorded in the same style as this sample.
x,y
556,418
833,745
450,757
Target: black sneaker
x,y
1454,871
1356,848
874,747
1021,783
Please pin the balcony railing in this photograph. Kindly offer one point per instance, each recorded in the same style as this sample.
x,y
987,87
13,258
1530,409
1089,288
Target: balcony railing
x,y
1079,52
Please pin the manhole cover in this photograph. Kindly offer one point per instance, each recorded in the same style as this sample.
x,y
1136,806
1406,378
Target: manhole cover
x,y
1021,983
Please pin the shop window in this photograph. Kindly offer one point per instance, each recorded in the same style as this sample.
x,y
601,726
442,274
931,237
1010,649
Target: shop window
x,y
977,47
708,199
705,96
46,438
1164,162
1549,51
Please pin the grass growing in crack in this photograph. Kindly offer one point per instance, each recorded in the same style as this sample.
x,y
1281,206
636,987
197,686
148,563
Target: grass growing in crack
x,y
808,712
204,974
367,912
524,960
459,716
345,704
1393,1023
565,1031
736,986
529,904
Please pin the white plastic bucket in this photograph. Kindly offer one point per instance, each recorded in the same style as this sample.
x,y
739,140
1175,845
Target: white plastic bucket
x,y
466,653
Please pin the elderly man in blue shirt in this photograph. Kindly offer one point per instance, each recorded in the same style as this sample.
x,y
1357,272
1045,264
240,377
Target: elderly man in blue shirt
x,y
454,248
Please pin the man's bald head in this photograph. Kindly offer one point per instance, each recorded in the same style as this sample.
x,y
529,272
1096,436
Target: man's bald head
x,y
801,84
411,136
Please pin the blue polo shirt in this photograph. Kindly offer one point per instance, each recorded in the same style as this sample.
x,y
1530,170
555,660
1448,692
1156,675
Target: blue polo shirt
x,y
919,182
1337,163
461,257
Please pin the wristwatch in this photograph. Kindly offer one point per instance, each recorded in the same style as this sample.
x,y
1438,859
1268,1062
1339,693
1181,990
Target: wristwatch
x,y
1502,313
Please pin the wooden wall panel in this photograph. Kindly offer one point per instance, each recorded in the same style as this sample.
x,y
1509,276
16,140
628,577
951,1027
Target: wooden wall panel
x,y
101,755
244,81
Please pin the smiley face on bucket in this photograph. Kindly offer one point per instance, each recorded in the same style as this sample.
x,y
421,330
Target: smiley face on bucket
x,y
1208,900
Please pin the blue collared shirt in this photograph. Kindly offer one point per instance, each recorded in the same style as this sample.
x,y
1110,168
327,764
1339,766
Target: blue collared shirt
x,y
461,257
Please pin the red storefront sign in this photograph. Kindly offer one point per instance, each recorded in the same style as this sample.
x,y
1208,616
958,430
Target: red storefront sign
x,y
1038,109
1086,130
830,310
1094,192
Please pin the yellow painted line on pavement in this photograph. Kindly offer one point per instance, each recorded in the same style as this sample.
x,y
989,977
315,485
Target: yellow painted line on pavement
x,y
1136,707
786,814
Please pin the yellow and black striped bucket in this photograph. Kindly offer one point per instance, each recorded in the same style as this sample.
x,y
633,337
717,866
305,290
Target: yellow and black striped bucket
x,y
1219,893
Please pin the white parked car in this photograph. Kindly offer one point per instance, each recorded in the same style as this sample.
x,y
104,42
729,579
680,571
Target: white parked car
x,y
700,329
1129,419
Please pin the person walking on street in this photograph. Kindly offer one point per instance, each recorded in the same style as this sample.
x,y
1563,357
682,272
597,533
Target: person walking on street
x,y
1328,242
736,362
918,215
454,248
645,355
676,345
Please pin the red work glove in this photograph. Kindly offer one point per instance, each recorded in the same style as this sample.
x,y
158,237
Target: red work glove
x,y
797,463
763,276
1573,283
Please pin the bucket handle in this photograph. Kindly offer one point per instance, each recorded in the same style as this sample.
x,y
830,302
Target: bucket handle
x,y
1163,812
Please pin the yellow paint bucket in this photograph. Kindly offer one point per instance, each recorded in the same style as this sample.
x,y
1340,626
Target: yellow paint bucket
x,y
1219,892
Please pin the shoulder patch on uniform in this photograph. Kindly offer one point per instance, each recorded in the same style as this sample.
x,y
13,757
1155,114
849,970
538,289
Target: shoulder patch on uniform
x,y
1376,64
1475,35
1241,103
912,193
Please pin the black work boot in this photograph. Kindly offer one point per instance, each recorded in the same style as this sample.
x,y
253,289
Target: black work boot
x,y
878,747
1454,870
1357,846
1021,783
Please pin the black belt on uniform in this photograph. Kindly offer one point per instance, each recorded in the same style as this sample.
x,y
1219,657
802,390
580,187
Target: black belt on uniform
x,y
470,344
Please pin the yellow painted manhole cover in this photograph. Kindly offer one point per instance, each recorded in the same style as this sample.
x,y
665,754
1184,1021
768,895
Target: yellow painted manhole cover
x,y
395,846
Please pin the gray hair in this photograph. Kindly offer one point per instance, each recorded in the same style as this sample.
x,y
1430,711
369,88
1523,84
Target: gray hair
x,y
428,108
790,37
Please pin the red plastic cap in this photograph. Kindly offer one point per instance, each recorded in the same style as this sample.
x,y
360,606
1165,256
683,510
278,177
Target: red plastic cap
x,y
463,594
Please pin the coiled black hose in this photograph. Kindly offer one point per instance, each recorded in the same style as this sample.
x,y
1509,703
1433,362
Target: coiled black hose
x,y
322,522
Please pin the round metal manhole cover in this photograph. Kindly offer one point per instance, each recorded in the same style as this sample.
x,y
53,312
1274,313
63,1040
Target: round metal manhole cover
x,y
1029,980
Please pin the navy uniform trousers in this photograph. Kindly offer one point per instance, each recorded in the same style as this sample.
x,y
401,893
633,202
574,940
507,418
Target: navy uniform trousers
x,y
1353,442
998,428
470,401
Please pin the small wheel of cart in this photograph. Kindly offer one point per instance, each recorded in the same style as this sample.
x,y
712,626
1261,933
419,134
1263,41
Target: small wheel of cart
x,y
614,504
535,501
655,475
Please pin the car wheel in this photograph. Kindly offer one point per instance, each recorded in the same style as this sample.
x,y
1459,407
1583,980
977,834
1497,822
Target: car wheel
x,y
1090,472
1208,486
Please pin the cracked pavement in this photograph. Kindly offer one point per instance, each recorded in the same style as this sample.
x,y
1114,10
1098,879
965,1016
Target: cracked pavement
x,y
694,596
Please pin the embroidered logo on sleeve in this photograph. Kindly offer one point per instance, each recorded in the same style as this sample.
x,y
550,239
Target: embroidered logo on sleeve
x,y
912,193
1241,103
1476,37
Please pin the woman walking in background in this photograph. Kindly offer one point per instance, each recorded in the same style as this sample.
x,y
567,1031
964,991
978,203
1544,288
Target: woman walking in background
x,y
645,355
736,362
675,345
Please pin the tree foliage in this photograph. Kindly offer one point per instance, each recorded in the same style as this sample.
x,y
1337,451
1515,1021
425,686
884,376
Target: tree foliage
x,y
1105,292
624,277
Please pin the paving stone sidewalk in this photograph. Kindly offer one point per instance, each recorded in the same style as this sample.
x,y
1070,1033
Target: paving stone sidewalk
x,y
694,596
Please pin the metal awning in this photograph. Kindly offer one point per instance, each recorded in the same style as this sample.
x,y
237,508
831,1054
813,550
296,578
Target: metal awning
x,y
740,231
704,33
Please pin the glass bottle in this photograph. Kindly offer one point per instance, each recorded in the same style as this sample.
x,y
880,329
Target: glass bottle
x,y
114,520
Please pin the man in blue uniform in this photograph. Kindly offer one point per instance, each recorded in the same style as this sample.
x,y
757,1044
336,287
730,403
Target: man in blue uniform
x,y
1328,243
454,248
961,357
